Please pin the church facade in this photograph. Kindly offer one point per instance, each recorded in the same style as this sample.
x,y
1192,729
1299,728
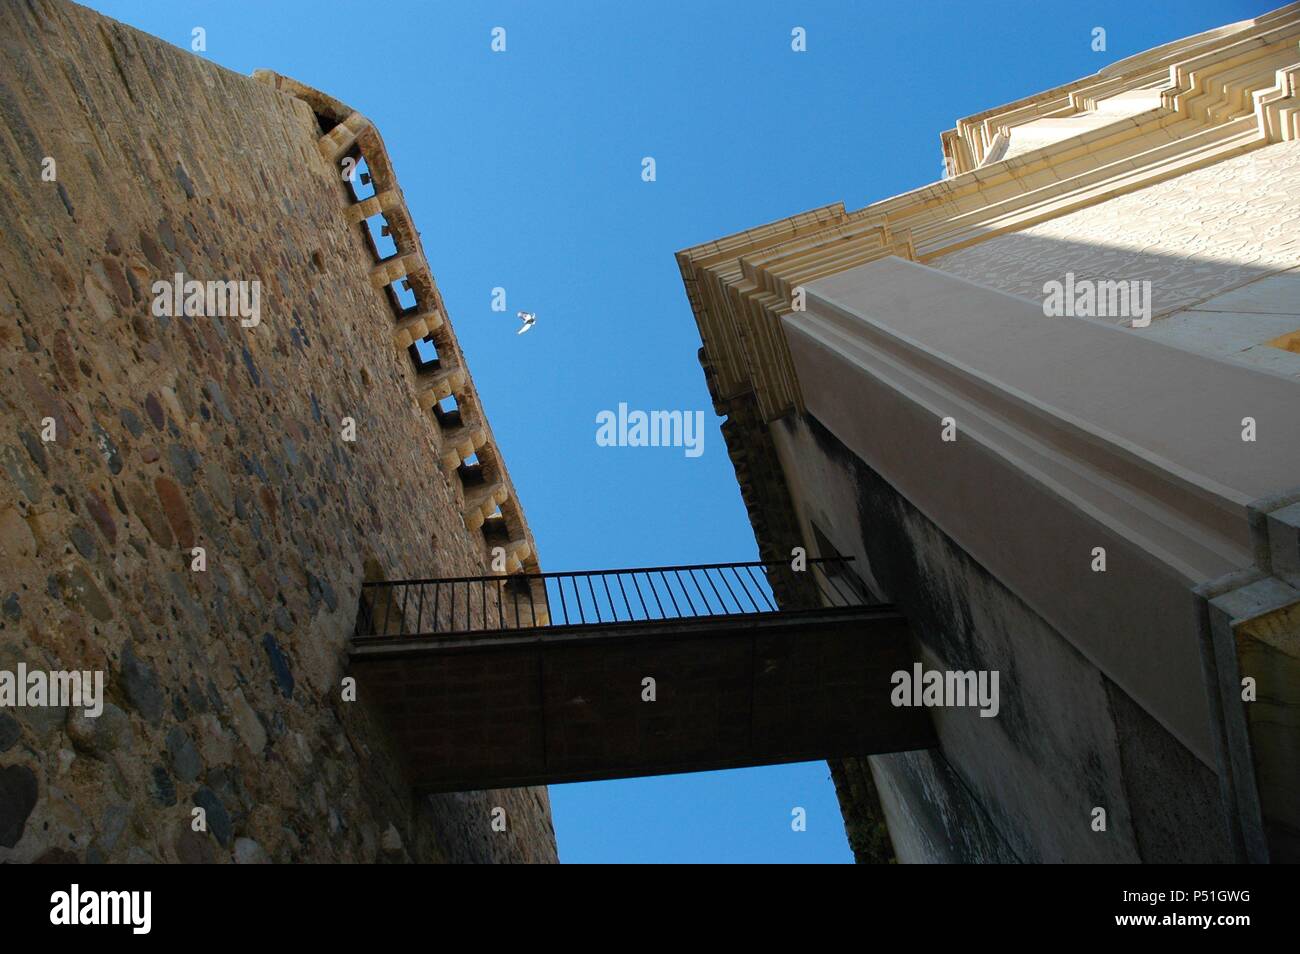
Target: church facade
x,y
1049,406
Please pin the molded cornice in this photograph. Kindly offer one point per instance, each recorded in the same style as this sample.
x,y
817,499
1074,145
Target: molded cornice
x,y
1146,119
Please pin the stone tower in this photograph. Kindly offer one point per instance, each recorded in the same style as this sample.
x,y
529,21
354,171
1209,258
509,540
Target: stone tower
x,y
189,502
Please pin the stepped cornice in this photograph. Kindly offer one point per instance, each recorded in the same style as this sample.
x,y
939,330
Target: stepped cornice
x,y
486,494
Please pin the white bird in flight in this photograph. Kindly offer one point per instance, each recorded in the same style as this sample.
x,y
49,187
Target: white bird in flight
x,y
529,319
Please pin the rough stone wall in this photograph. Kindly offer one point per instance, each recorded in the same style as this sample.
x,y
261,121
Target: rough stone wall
x,y
172,433
1020,786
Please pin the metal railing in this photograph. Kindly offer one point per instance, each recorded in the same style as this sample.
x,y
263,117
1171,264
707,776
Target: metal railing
x,y
525,601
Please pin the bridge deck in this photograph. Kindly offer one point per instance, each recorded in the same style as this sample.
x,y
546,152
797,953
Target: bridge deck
x,y
568,702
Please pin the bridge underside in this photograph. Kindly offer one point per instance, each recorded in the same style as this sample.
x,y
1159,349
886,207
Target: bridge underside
x,y
566,704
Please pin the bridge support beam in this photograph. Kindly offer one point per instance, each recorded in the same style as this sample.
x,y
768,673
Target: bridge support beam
x,y
513,709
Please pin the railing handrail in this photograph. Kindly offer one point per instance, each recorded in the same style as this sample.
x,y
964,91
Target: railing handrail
x,y
506,577
497,603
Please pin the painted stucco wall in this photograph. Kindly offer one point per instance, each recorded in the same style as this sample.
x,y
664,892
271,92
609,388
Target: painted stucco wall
x,y
1020,786
1220,247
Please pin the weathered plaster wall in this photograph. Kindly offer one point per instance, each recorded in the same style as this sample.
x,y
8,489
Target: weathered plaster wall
x,y
1193,236
224,685
1019,786
1219,245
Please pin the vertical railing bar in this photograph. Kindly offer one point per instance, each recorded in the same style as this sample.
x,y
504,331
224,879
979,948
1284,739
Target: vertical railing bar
x,y
604,579
815,568
749,596
618,578
685,593
723,577
640,596
848,601
654,591
772,573
721,601
703,596
577,597
760,589
832,579
859,586
821,589
668,586
595,602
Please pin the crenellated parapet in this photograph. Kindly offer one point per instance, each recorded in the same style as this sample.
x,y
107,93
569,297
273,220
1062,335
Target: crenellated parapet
x,y
467,454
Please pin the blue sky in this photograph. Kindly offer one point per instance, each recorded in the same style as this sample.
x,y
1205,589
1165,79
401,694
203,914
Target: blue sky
x,y
522,170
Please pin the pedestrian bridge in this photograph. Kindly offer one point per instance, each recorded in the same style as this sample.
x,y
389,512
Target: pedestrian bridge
x,y
539,678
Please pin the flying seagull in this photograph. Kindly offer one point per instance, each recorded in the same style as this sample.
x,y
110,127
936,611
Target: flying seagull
x,y
528,318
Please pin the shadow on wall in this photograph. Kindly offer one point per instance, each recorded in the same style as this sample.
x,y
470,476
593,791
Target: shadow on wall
x,y
1194,237
1245,310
